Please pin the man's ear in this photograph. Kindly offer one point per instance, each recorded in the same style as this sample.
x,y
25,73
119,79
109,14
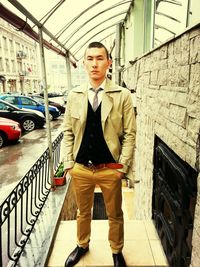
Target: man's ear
x,y
109,62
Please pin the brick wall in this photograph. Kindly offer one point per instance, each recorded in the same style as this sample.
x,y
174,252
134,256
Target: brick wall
x,y
167,83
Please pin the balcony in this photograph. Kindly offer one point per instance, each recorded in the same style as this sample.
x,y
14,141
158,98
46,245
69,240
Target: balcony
x,y
142,245
21,55
23,73
38,227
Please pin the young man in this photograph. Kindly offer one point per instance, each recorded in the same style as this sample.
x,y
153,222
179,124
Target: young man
x,y
98,144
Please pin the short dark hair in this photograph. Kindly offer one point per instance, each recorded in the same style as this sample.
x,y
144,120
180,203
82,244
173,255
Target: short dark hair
x,y
97,45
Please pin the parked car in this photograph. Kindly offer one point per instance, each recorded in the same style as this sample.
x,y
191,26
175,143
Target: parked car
x,y
40,99
27,102
9,131
29,120
65,95
52,94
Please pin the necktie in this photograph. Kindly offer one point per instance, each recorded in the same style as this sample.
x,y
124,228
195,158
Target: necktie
x,y
95,99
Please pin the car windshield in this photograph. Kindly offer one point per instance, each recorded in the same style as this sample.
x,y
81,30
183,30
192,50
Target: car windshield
x,y
11,100
4,105
41,100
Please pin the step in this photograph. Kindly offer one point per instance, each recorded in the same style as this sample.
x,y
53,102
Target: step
x,y
142,245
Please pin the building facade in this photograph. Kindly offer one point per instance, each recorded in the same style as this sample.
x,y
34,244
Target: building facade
x,y
19,64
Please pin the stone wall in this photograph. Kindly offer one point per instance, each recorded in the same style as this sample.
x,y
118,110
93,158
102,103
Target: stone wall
x,y
69,208
167,83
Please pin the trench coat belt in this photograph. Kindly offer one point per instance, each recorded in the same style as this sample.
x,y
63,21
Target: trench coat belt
x,y
103,165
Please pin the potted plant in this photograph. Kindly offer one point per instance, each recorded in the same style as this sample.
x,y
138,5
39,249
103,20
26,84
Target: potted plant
x,y
60,175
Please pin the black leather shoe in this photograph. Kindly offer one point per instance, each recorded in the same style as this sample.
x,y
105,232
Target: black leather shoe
x,y
119,260
75,256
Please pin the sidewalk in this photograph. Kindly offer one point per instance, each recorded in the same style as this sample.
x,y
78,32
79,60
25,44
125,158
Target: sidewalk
x,y
17,159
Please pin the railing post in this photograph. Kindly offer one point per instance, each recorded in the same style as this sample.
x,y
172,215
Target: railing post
x,y
1,252
117,55
44,81
69,82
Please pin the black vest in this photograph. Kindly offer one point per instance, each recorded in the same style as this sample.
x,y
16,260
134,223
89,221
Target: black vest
x,y
93,146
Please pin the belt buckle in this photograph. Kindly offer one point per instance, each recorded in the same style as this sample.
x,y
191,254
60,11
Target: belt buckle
x,y
90,165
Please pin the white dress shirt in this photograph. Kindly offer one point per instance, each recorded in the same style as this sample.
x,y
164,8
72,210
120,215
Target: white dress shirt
x,y
92,93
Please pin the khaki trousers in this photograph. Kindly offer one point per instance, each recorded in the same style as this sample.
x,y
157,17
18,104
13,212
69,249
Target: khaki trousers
x,y
84,181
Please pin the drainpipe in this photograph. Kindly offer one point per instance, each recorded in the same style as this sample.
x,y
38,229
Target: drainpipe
x,y
188,13
153,21
22,84
44,81
117,55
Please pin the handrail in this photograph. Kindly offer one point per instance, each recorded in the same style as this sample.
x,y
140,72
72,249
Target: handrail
x,y
21,209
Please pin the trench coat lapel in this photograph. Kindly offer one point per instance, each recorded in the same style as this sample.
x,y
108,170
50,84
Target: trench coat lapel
x,y
106,106
107,101
82,105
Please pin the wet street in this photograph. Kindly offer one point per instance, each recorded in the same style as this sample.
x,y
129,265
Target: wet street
x,y
17,159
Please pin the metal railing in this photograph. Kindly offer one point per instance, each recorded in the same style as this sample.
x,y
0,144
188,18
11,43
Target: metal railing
x,y
21,209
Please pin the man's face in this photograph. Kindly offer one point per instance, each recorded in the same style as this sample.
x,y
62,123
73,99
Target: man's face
x,y
96,63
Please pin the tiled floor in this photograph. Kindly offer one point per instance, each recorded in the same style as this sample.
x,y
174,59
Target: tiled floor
x,y
142,246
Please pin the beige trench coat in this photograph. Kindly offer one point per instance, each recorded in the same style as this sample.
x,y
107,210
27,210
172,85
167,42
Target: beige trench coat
x,y
117,119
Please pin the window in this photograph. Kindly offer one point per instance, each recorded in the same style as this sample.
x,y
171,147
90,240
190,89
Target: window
x,y
3,106
26,51
11,100
19,66
11,45
28,102
1,64
11,48
5,45
7,65
13,67
17,46
32,54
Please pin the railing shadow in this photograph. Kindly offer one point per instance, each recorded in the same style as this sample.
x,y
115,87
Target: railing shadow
x,y
20,210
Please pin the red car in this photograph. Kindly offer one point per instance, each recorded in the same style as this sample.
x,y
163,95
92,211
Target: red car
x,y
9,131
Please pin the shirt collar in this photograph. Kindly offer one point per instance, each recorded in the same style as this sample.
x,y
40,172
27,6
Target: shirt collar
x,y
102,86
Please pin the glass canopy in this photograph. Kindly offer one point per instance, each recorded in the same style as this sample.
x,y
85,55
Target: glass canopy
x,y
171,18
72,23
